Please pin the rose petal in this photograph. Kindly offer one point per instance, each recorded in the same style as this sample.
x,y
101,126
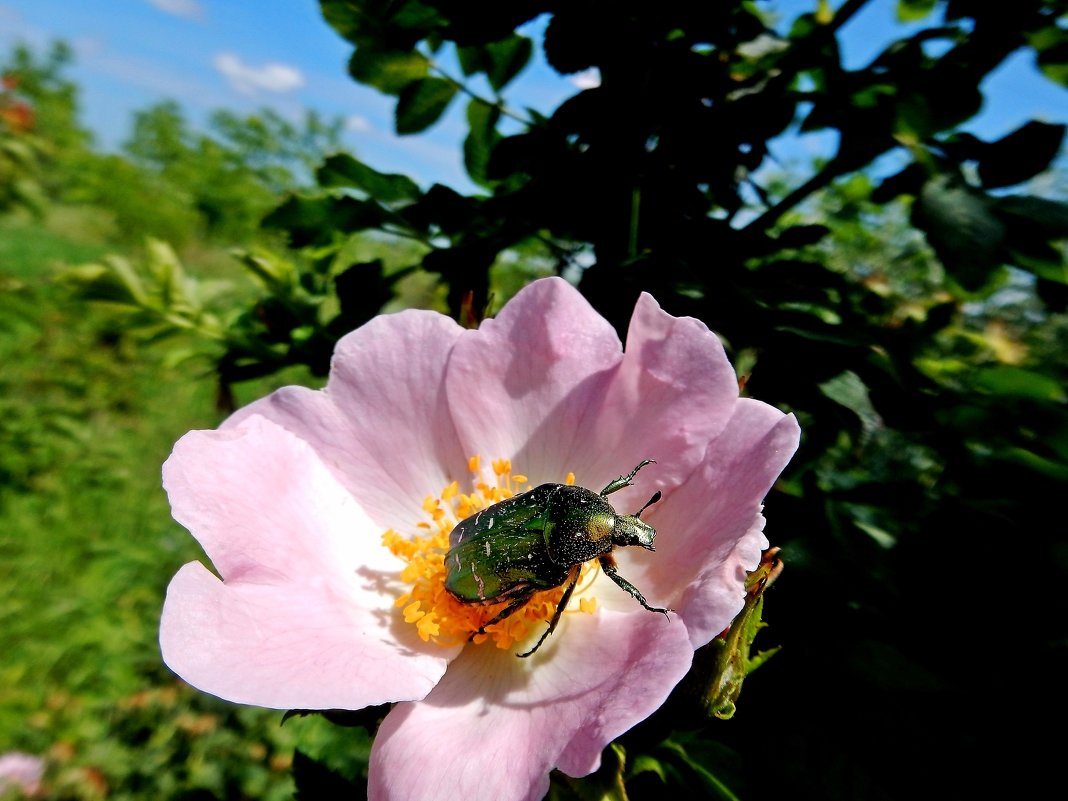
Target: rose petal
x,y
305,618
673,392
382,424
709,528
495,725
524,385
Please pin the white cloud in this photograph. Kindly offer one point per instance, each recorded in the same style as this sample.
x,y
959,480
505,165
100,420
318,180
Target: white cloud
x,y
249,80
587,79
357,124
190,9
87,47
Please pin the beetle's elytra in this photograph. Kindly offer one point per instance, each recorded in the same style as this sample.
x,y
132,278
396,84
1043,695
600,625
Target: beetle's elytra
x,y
539,540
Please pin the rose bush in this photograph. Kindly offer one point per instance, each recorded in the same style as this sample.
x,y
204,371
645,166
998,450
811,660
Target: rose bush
x,y
290,499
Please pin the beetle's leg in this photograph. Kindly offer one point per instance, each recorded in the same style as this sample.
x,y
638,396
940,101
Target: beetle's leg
x,y
575,573
608,565
508,611
625,481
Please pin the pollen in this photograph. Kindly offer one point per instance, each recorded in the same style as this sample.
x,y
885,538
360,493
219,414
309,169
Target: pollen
x,y
437,615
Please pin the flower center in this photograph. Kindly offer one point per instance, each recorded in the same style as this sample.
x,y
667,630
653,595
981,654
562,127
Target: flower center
x,y
438,615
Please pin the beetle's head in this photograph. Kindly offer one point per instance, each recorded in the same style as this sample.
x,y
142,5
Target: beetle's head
x,y
632,530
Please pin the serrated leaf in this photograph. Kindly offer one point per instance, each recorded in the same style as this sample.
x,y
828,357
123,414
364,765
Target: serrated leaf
x,y
506,59
389,71
482,136
341,169
421,103
1021,155
501,61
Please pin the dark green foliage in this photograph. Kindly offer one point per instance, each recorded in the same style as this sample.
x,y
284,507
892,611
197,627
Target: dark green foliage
x,y
913,322
913,325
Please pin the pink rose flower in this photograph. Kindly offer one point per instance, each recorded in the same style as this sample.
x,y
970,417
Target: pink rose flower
x,y
22,772
294,497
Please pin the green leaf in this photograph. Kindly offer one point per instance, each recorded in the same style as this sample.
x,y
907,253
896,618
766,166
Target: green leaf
x,y
714,787
421,104
343,16
501,61
344,170
506,59
644,763
1017,382
389,71
1051,44
962,228
321,220
850,391
914,10
482,124
416,18
1049,218
1021,155
1032,461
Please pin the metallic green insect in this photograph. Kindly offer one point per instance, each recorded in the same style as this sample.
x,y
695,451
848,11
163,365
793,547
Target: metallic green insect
x,y
539,540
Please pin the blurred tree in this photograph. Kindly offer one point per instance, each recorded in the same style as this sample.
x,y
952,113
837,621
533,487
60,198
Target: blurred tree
x,y
281,154
42,86
233,174
20,150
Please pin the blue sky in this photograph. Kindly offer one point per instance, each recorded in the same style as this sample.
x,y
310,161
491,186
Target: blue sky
x,y
246,54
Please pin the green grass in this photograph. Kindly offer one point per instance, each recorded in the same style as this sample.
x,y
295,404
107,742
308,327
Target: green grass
x,y
87,547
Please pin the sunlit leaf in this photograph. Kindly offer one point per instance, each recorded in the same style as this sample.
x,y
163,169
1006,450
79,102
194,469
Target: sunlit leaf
x,y
422,102
914,10
343,170
389,71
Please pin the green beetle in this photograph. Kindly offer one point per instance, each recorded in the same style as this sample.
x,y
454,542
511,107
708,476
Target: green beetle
x,y
539,540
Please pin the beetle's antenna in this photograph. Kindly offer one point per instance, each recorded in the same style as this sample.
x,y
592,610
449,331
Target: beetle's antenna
x,y
656,497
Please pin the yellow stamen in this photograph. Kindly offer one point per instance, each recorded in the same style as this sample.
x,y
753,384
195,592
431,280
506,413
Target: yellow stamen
x,y
437,615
